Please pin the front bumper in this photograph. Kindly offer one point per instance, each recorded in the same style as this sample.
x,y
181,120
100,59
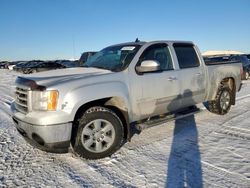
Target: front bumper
x,y
50,136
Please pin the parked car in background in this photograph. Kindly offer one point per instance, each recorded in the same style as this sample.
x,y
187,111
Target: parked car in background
x,y
245,63
84,57
67,63
9,64
231,59
38,66
248,57
18,67
3,65
215,59
21,66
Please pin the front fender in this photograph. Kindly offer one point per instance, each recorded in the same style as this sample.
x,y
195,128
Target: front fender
x,y
76,98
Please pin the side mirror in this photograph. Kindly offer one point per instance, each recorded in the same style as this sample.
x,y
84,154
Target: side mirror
x,y
148,66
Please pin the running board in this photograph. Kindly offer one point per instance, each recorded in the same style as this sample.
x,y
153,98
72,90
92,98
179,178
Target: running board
x,y
166,118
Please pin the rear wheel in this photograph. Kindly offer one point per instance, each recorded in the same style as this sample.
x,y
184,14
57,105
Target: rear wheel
x,y
223,101
99,133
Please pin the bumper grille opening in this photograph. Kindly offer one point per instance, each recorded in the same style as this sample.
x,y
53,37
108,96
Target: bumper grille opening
x,y
38,139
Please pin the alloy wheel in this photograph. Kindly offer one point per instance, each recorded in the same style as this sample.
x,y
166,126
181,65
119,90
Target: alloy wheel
x,y
98,136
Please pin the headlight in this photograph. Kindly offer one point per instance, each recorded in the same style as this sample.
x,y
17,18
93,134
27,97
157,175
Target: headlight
x,y
44,100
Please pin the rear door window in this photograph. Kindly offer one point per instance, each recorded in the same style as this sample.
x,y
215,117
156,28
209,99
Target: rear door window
x,y
186,56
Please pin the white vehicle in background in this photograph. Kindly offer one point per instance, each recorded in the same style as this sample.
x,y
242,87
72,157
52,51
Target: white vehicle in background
x,y
94,107
10,67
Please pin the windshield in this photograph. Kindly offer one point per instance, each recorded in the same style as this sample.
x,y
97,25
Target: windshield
x,y
114,58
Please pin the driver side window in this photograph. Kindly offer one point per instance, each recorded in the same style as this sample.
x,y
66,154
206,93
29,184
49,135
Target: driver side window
x,y
159,53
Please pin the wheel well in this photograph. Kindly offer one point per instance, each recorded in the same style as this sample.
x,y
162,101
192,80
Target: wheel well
x,y
230,82
122,117
104,103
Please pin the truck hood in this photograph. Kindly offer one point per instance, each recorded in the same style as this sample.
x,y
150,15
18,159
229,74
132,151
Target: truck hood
x,y
49,78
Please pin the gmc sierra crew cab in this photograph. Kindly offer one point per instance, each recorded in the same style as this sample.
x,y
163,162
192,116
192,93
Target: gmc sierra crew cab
x,y
92,108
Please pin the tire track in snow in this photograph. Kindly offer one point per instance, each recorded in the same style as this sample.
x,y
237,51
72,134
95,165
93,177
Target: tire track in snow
x,y
79,171
229,178
23,165
235,132
112,176
229,127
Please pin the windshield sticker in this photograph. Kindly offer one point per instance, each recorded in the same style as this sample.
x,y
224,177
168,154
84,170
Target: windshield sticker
x,y
128,48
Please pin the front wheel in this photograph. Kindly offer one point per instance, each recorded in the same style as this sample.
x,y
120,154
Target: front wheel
x,y
223,101
99,133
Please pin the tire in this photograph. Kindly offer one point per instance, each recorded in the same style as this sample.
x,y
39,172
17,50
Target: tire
x,y
25,71
99,133
33,71
223,101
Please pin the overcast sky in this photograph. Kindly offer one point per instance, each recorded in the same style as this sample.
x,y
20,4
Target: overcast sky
x,y
56,29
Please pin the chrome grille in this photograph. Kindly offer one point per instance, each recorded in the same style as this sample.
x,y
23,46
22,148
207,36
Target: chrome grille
x,y
21,102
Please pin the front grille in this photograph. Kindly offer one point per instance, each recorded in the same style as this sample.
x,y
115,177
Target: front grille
x,y
21,102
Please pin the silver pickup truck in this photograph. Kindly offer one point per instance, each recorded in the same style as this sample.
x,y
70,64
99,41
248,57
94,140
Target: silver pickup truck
x,y
93,108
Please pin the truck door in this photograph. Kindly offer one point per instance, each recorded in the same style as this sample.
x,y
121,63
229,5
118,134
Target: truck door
x,y
191,74
159,90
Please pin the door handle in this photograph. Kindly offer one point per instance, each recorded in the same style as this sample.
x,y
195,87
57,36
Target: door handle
x,y
198,74
172,78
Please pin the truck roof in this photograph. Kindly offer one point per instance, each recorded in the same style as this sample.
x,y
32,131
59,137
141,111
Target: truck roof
x,y
141,43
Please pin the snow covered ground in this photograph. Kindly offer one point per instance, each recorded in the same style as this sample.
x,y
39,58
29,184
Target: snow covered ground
x,y
201,150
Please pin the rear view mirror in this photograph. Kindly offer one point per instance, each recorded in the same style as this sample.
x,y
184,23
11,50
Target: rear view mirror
x,y
148,66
